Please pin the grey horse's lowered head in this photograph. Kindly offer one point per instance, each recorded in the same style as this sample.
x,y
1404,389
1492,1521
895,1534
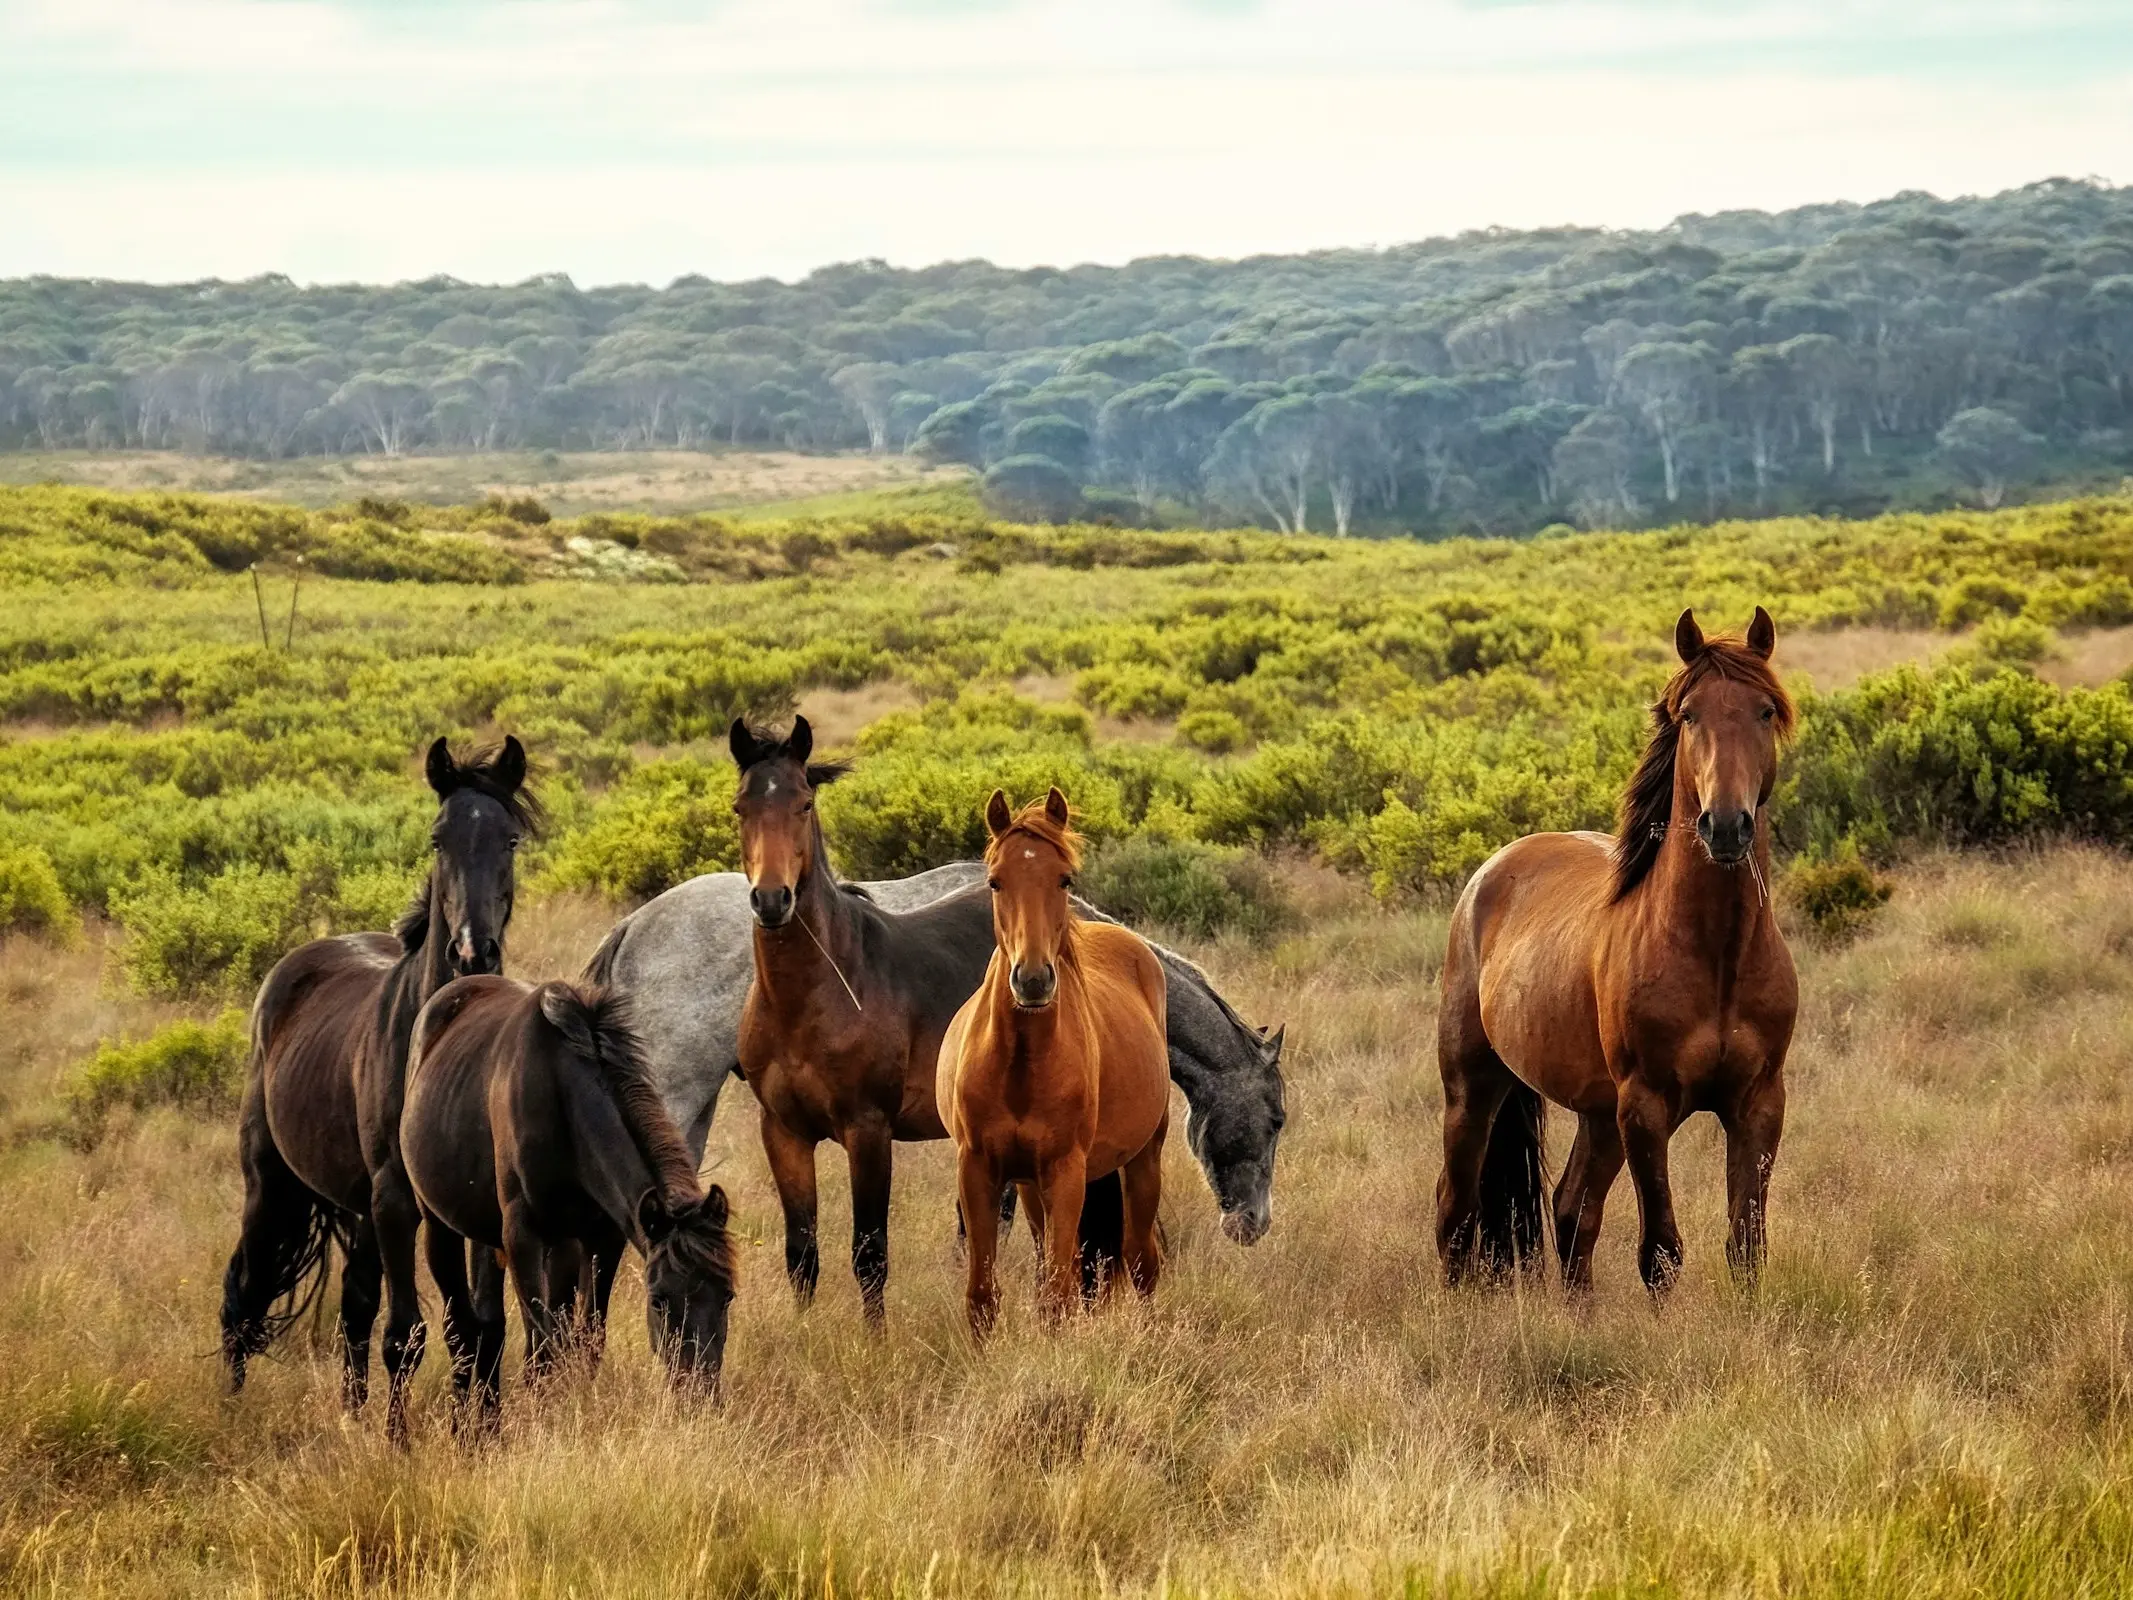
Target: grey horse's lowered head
x,y
1231,1074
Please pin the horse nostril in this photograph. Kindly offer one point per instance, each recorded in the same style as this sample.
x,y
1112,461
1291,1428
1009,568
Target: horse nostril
x,y
1705,827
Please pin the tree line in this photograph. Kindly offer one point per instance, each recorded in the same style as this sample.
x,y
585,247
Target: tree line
x,y
1835,357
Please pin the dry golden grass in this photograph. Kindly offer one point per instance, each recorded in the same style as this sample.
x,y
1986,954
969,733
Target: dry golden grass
x,y
1929,1397
570,483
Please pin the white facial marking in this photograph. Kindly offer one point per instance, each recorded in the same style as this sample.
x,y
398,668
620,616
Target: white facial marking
x,y
771,787
1029,855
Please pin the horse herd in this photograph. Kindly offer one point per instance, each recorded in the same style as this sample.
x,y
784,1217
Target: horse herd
x,y
402,1093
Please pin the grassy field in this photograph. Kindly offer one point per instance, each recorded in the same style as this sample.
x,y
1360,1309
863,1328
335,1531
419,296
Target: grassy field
x,y
1289,751
1930,1396
570,483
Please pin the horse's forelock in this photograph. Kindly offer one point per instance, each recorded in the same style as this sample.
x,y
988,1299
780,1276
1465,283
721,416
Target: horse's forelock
x,y
1033,820
482,773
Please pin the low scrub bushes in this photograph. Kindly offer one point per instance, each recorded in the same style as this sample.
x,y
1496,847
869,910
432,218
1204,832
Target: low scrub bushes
x,y
194,1065
1958,756
662,824
31,898
1179,884
1839,897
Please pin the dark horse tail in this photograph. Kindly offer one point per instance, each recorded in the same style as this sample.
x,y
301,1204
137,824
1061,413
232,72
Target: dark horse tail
x,y
1513,1212
278,1269
600,970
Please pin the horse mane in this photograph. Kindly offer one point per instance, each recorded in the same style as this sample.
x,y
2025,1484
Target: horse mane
x,y
478,772
596,1021
772,747
1648,802
1033,820
704,1248
413,928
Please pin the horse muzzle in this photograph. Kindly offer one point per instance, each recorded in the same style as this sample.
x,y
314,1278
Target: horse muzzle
x,y
477,956
1247,1225
1033,989
1727,837
773,908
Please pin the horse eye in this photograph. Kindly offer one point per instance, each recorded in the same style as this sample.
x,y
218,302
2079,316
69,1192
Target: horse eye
x,y
435,844
1688,719
993,884
1770,713
514,841
1066,880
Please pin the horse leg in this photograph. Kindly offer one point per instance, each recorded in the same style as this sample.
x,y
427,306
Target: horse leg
x,y
606,1257
1142,1180
978,1188
487,1272
361,1276
1595,1161
446,1253
1474,1091
396,1219
871,1154
527,1254
564,1275
1755,1124
1064,1184
792,1169
1646,1120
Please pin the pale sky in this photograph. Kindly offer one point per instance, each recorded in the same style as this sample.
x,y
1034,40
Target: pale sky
x,y
637,140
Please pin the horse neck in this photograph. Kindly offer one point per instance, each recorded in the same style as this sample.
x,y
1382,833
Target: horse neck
x,y
794,963
1721,909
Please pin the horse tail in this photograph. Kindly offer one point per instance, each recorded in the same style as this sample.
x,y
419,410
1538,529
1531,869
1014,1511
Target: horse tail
x,y
600,970
1513,1171
278,1269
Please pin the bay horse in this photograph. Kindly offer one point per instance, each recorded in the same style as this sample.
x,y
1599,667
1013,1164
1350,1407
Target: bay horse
x,y
1634,980
329,1037
531,1128
1055,1072
841,1031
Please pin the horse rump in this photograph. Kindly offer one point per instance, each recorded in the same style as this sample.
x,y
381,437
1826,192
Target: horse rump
x,y
1511,1226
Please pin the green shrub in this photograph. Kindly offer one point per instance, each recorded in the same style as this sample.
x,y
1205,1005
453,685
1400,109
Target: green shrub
x,y
662,824
1216,732
31,897
1958,757
198,1066
1975,598
1839,896
911,809
1180,884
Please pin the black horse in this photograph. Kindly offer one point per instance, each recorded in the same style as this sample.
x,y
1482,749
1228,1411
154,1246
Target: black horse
x,y
531,1128
328,1062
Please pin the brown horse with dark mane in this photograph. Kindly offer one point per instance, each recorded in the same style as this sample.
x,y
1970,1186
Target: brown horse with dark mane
x,y
1056,1071
532,1128
1635,980
329,1053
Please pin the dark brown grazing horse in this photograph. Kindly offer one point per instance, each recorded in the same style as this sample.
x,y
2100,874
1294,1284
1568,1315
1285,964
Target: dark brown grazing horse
x,y
841,1033
1635,980
329,1051
531,1127
1057,1070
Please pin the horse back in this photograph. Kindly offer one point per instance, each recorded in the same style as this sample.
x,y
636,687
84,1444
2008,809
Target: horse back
x,y
314,1015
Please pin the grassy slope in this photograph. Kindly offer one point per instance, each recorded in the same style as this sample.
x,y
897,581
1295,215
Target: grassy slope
x,y
1930,1397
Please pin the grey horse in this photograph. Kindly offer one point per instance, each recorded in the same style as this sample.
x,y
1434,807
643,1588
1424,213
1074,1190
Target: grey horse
x,y
686,959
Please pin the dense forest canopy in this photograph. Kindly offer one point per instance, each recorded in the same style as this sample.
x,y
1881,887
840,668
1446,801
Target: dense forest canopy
x,y
1840,357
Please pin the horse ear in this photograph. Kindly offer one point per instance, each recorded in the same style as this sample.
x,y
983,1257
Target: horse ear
x,y
1762,634
653,1217
1055,807
511,764
440,769
716,1209
800,744
1688,638
742,742
997,816
1272,1041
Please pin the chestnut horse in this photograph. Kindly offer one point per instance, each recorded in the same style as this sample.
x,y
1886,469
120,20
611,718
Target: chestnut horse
x,y
1055,1072
318,1128
532,1128
1635,980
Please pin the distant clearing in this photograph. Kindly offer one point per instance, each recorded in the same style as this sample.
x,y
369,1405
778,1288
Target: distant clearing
x,y
568,483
